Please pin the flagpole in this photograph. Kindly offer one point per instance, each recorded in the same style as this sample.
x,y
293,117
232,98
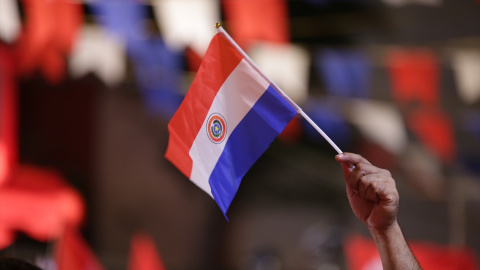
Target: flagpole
x,y
297,108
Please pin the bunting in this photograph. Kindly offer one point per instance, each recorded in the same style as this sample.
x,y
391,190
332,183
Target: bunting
x,y
9,21
44,42
98,53
8,116
143,254
250,21
414,77
187,23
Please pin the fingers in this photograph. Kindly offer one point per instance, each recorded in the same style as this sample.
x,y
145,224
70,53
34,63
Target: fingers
x,y
370,186
347,170
365,179
375,187
351,158
361,170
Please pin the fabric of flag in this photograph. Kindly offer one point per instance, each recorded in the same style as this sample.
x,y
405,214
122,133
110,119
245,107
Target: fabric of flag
x,y
187,22
8,116
328,116
434,129
414,76
158,68
39,203
9,20
292,75
229,117
345,72
380,122
99,53
143,254
73,253
44,41
250,21
122,18
466,65
158,72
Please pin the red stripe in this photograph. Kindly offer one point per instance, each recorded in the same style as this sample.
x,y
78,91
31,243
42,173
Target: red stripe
x,y
219,61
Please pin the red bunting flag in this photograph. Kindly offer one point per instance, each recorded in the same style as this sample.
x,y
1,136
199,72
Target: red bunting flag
x,y
414,75
39,203
434,129
143,254
257,20
73,253
49,32
8,116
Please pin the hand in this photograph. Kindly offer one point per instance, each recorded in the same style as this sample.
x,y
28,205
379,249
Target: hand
x,y
371,192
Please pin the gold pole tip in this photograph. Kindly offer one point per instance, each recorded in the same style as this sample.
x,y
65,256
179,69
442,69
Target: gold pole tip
x,y
217,25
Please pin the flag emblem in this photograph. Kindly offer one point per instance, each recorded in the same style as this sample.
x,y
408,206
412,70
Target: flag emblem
x,y
216,128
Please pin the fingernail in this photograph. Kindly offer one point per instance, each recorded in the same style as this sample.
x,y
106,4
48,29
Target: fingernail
x,y
340,155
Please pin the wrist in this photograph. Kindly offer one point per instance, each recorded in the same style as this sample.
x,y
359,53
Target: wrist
x,y
386,233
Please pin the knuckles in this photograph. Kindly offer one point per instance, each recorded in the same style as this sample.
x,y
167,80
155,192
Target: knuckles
x,y
386,172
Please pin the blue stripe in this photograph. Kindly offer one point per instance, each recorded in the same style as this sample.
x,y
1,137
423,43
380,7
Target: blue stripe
x,y
252,136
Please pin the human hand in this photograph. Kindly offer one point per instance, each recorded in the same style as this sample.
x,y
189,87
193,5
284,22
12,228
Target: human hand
x,y
371,191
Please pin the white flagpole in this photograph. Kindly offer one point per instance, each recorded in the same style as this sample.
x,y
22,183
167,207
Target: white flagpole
x,y
297,108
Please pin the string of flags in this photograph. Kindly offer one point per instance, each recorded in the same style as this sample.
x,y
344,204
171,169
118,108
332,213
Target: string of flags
x,y
121,33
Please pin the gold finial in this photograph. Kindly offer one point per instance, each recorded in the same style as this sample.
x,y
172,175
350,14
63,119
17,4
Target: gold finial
x,y
217,25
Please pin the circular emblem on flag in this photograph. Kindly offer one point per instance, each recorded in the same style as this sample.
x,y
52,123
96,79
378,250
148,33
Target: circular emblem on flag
x,y
216,128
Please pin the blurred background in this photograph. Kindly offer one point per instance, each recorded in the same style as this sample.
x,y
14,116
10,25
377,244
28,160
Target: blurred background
x,y
87,89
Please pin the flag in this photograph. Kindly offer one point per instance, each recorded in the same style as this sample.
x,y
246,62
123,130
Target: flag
x,y
143,254
381,123
44,42
328,115
187,23
434,129
8,116
345,72
228,118
414,77
73,253
243,17
38,203
124,19
9,20
466,65
99,53
293,75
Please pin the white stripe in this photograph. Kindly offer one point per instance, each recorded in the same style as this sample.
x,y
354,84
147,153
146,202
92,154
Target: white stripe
x,y
233,101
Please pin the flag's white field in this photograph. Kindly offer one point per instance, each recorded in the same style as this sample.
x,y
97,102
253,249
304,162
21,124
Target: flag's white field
x,y
99,53
466,65
187,22
292,75
229,117
9,20
381,123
